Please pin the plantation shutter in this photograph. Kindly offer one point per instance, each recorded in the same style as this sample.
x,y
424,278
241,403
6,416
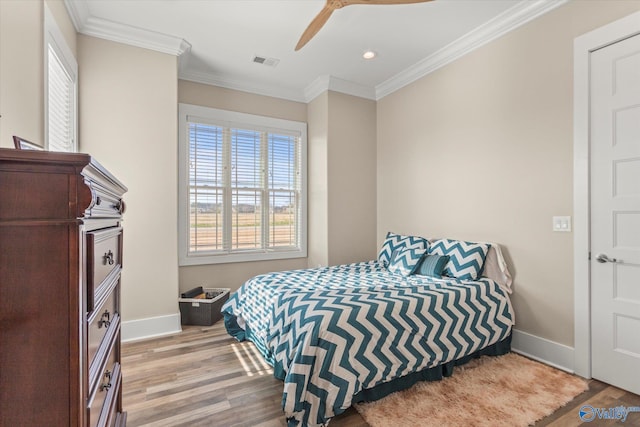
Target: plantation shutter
x,y
247,177
206,187
284,190
61,105
244,188
61,71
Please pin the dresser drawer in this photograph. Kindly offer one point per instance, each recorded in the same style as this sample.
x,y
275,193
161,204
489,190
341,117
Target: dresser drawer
x,y
104,258
104,203
101,319
109,415
108,347
104,405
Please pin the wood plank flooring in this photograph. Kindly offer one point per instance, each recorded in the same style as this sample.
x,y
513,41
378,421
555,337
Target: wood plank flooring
x,y
204,377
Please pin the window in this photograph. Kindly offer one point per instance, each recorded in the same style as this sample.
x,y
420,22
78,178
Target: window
x,y
242,187
61,70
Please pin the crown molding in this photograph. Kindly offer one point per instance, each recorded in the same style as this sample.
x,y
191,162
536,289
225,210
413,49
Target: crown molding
x,y
79,13
351,88
243,86
507,21
327,82
321,84
316,87
122,33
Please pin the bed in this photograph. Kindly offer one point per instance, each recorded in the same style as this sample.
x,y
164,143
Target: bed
x,y
357,332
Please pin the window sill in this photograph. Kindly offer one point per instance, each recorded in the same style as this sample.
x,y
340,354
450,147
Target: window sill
x,y
239,257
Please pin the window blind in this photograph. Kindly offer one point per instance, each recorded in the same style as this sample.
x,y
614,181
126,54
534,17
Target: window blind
x,y
284,185
244,188
61,105
206,187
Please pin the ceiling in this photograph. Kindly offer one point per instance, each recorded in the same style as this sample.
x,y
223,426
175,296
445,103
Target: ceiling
x,y
217,40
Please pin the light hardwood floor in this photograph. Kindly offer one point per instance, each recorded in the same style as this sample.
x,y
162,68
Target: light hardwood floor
x,y
204,377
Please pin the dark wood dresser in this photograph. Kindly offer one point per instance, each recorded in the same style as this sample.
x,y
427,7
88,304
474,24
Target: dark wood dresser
x,y
60,264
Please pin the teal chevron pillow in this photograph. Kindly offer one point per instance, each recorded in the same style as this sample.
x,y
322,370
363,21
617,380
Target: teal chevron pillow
x,y
432,265
405,261
466,259
394,242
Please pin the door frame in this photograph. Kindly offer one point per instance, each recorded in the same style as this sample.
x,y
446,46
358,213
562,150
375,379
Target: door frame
x,y
582,48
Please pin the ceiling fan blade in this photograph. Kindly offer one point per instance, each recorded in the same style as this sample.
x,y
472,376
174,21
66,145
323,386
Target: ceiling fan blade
x,y
349,2
331,5
315,26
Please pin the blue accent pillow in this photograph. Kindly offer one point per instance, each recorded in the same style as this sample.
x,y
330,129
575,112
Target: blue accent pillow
x,y
432,265
393,242
405,261
466,259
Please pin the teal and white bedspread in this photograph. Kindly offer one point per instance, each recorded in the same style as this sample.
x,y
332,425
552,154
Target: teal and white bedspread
x,y
332,332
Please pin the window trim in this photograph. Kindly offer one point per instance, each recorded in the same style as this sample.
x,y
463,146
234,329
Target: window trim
x,y
53,37
231,118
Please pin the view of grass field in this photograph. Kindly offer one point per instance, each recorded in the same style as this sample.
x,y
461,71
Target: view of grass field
x,y
206,230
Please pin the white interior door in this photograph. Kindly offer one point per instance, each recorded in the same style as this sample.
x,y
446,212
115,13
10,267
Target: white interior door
x,y
615,214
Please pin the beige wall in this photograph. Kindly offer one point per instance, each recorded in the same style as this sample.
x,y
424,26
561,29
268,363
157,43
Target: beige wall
x,y
242,102
233,275
318,186
481,150
128,102
351,177
342,179
21,71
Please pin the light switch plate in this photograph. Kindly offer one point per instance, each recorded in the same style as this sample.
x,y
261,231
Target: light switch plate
x,y
561,223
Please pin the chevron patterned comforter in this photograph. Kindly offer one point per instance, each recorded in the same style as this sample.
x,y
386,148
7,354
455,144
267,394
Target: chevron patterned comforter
x,y
332,332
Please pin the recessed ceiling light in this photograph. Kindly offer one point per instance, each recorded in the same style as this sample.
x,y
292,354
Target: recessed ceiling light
x,y
369,54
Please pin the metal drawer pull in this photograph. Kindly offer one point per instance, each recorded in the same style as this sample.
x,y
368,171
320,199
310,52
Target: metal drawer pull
x,y
105,320
108,258
119,206
602,258
106,386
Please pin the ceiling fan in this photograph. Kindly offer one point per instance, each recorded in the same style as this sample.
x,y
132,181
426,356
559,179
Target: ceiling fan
x,y
332,5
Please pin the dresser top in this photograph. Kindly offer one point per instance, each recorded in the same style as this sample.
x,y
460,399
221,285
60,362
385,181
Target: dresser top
x,y
83,164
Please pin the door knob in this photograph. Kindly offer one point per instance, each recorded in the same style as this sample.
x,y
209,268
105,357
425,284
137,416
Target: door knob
x,y
604,258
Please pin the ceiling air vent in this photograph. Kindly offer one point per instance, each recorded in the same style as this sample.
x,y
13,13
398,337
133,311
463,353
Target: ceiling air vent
x,y
271,62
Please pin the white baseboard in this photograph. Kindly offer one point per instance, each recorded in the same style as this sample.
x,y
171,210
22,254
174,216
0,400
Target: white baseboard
x,y
543,350
150,327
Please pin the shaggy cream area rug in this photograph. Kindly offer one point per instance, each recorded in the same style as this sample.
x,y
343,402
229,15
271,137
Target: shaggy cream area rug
x,y
508,391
